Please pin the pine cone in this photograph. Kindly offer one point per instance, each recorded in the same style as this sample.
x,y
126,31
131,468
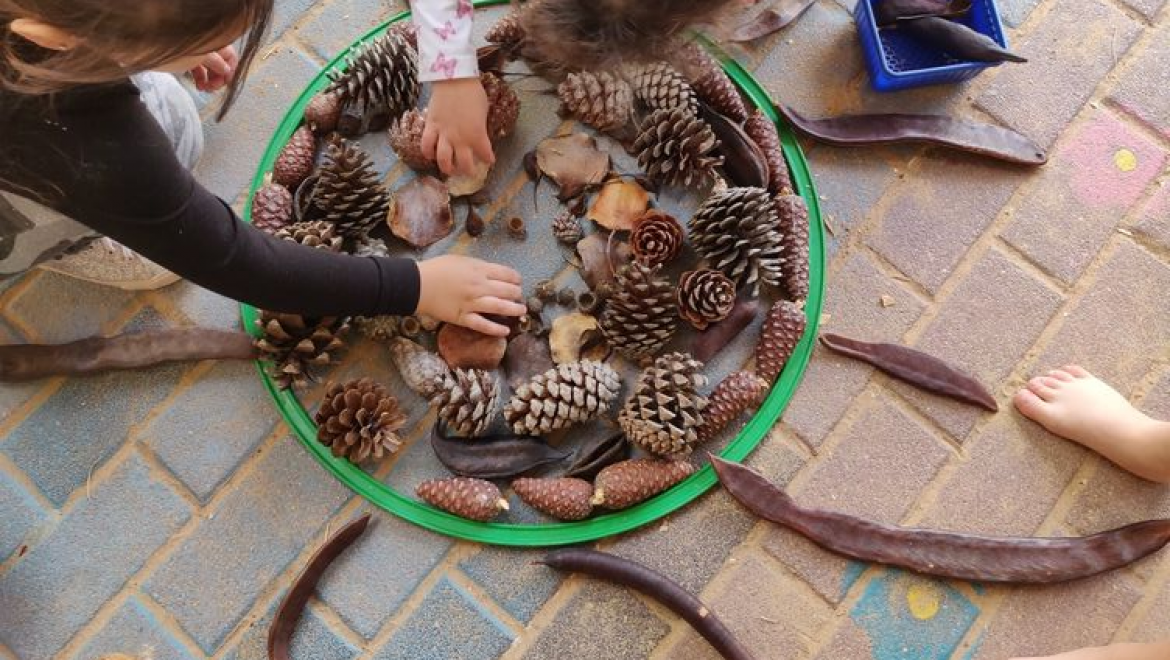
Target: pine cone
x,y
705,297
666,407
560,397
382,78
794,220
783,329
675,148
467,400
350,193
406,141
367,246
421,370
601,100
474,499
711,83
567,228
622,485
295,162
639,318
659,86
738,393
377,328
407,30
657,238
323,113
739,232
360,420
507,32
503,106
763,132
272,208
563,499
315,234
295,344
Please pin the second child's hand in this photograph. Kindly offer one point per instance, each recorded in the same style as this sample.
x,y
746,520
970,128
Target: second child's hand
x,y
462,290
456,128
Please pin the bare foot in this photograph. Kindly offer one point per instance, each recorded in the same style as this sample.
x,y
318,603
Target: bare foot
x,y
1074,404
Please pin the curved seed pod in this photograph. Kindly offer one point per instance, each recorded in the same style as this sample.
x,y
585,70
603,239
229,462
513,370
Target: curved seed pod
x,y
599,454
718,336
493,457
744,161
891,11
772,19
958,40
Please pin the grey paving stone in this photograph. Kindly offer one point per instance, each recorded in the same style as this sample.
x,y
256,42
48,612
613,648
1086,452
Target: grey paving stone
x,y
358,17
59,585
600,622
214,577
313,639
1155,219
203,308
449,623
134,630
21,515
511,578
288,12
14,395
1144,89
61,309
1014,12
849,183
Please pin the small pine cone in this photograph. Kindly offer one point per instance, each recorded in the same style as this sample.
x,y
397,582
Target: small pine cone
x,y
657,238
315,234
601,100
763,132
794,219
367,246
295,162
738,393
467,400
377,328
323,113
739,232
561,397
360,420
381,78
295,345
640,317
563,499
350,193
659,86
421,370
406,30
507,31
675,148
567,228
503,106
783,329
622,485
272,208
406,141
474,499
665,409
705,297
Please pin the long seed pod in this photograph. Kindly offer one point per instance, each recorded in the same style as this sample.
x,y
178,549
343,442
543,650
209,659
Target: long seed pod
x,y
946,554
132,351
626,573
743,159
719,336
890,11
599,454
493,457
915,367
972,137
284,622
958,40
771,20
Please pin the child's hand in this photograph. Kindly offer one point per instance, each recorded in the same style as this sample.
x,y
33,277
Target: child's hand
x,y
461,290
216,70
456,129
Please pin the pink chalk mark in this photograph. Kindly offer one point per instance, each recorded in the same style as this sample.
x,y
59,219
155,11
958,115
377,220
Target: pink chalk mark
x,y
1092,162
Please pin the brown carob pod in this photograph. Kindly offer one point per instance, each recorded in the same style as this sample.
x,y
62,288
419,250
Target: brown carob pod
x,y
657,238
350,192
561,397
601,100
563,498
665,408
421,370
323,113
598,454
793,213
567,228
659,86
503,106
639,317
295,161
359,420
272,208
406,141
705,297
783,329
316,234
738,393
744,162
718,336
467,400
381,77
492,457
676,148
473,499
622,485
763,132
295,345
739,232
957,40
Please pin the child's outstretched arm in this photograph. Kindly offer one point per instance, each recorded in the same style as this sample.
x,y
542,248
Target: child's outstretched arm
x,y
456,129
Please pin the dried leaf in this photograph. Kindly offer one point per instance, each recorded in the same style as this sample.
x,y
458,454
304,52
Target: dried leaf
x,y
421,212
467,349
464,185
570,334
528,356
619,204
771,20
601,258
572,161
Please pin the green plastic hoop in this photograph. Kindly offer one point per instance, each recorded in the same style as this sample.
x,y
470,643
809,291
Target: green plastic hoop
x,y
554,534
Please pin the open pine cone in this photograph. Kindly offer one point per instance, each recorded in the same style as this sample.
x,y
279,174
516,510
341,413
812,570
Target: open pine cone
x,y
295,345
601,100
705,297
315,234
381,78
406,141
657,238
738,231
659,86
640,317
666,408
350,193
561,397
763,132
567,228
503,106
360,420
467,400
507,32
676,148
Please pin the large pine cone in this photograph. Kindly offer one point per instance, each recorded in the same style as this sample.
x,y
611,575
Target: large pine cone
x,y
561,397
676,148
783,329
503,106
666,407
763,132
738,231
406,139
657,238
794,219
382,78
507,32
315,234
639,317
622,485
659,86
563,499
601,100
323,113
711,83
705,297
295,162
360,420
350,193
272,208
467,400
474,499
738,393
421,370
295,345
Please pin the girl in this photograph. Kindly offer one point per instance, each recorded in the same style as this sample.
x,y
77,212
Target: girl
x,y
86,150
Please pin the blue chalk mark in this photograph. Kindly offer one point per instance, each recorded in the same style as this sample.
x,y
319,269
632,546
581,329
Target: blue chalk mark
x,y
895,633
851,575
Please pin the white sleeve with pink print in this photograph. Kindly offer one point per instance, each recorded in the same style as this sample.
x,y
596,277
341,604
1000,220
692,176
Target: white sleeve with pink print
x,y
445,49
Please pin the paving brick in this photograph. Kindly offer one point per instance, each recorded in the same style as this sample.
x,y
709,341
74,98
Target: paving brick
x,y
1147,8
829,574
849,183
61,309
313,638
1114,329
1144,90
764,607
1068,58
82,424
14,395
511,578
289,12
449,623
1098,174
1154,221
1156,623
59,585
134,630
777,457
1157,401
1113,498
21,515
600,622
968,333
214,577
203,308
1014,12
358,17
363,590
922,234
205,433
1035,620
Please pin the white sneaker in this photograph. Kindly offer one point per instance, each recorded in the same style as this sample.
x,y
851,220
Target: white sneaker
x,y
109,263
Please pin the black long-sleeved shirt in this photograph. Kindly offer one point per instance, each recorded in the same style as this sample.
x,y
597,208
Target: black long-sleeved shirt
x,y
96,155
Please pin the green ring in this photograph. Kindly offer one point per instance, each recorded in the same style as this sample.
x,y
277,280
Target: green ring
x,y
602,526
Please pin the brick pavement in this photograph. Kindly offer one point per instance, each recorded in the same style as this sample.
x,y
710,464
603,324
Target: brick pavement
x,y
131,524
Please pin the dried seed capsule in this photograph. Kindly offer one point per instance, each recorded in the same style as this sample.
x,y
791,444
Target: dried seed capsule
x,y
566,297
563,499
410,327
625,484
517,228
587,302
546,290
535,305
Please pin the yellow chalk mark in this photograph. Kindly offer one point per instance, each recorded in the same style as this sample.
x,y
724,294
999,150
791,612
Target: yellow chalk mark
x,y
1125,160
924,600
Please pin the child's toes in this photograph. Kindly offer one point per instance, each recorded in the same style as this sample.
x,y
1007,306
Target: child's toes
x,y
1043,387
1061,375
1076,371
1032,406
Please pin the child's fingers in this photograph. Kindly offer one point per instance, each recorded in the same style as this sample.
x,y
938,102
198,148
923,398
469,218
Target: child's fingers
x,y
484,151
502,273
430,140
465,161
217,65
492,305
484,326
445,155
229,55
504,290
199,76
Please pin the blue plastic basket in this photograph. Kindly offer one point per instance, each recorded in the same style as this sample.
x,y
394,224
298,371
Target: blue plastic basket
x,y
897,61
